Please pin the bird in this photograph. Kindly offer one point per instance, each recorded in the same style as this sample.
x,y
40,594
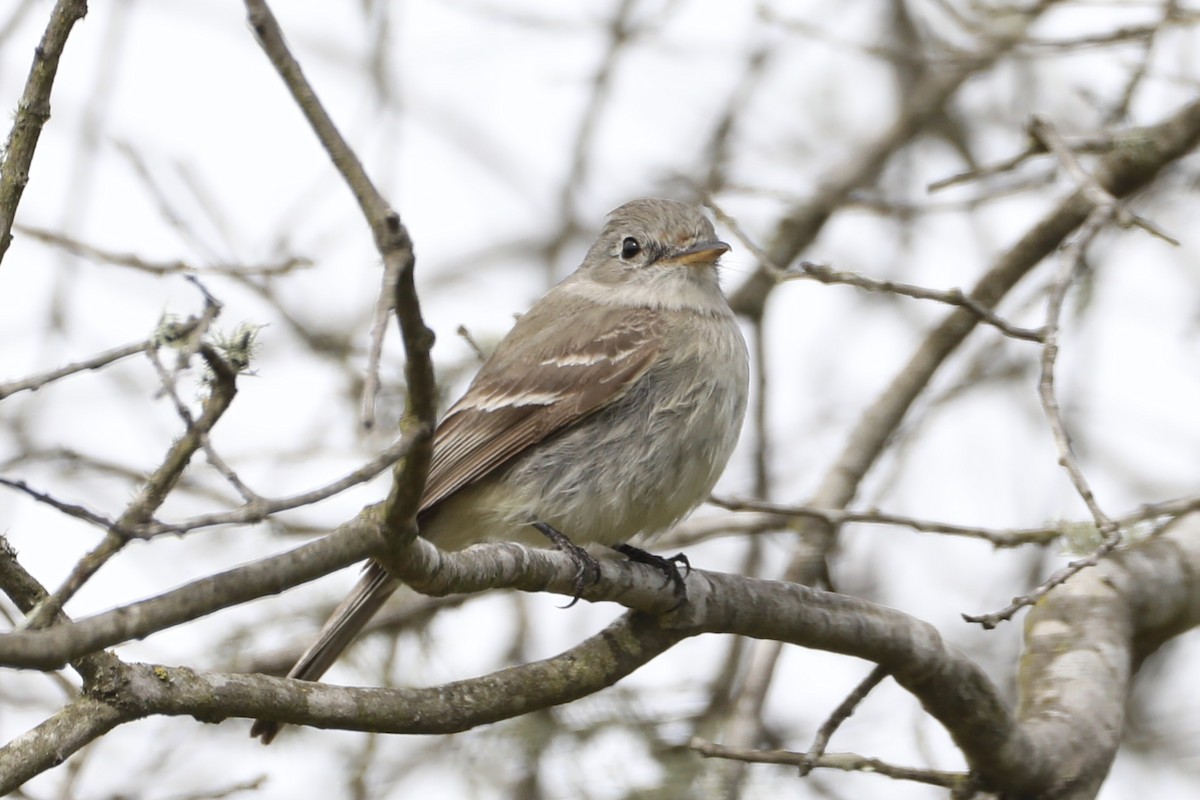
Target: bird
x,y
606,414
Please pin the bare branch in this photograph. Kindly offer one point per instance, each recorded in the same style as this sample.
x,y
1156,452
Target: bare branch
x,y
816,751
824,274
949,685
77,725
258,509
394,245
174,267
1084,641
846,762
27,593
152,494
52,647
1014,537
33,110
1124,171
70,509
1041,130
800,228
98,361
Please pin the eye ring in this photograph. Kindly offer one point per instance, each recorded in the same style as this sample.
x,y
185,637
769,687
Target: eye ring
x,y
630,247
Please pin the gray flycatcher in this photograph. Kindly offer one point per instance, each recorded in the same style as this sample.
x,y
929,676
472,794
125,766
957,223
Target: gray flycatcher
x,y
608,412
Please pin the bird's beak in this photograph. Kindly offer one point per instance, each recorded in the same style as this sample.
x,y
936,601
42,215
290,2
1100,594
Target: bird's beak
x,y
701,253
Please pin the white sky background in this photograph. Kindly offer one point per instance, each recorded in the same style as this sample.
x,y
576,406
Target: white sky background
x,y
472,147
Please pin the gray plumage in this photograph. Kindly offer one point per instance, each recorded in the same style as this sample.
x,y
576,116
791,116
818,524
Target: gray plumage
x,y
608,412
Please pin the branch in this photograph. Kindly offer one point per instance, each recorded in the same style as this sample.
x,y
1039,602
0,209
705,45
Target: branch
x,y
828,276
1084,642
261,508
75,247
152,494
800,228
847,762
596,663
1107,209
1129,605
394,245
254,510
1012,537
46,746
816,751
70,509
1123,171
949,685
420,408
52,647
33,110
1041,130
35,382
26,593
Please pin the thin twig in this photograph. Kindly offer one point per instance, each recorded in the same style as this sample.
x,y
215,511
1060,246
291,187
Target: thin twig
x,y
846,762
1014,537
466,336
253,511
197,329
1072,259
98,361
1047,393
70,509
171,267
1125,35
1136,78
987,171
219,464
816,751
824,274
1097,144
1041,129
261,508
379,323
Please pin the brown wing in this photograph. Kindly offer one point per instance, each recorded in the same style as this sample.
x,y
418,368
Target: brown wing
x,y
544,376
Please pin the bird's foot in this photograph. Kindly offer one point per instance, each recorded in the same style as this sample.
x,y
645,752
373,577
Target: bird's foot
x,y
587,569
668,566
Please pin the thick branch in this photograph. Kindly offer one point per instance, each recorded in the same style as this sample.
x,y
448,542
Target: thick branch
x,y
1085,641
26,593
49,744
949,685
598,662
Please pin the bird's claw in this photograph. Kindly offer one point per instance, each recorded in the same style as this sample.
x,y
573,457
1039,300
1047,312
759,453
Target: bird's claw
x,y
668,566
587,569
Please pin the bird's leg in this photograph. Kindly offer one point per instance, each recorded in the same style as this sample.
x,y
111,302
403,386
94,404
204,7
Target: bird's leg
x,y
669,567
585,565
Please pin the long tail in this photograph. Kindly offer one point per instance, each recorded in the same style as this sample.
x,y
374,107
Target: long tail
x,y
368,596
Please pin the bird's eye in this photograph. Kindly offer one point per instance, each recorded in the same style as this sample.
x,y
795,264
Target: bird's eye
x,y
630,248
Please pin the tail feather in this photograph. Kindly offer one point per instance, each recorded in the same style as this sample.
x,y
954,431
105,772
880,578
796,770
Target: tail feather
x,y
343,625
